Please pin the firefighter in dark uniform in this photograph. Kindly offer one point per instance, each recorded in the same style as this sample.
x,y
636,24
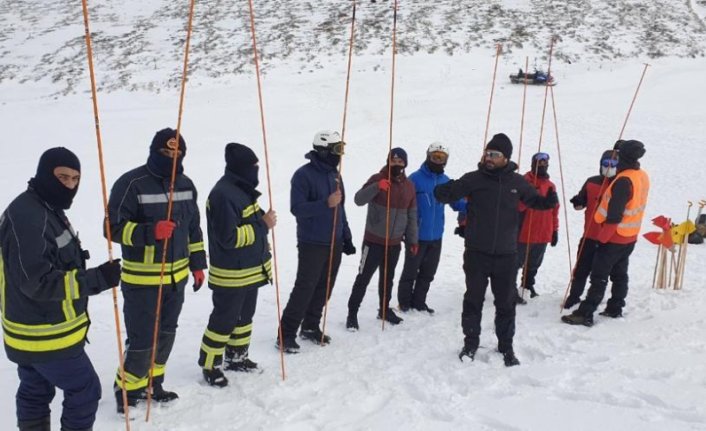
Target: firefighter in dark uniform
x,y
44,289
240,263
137,209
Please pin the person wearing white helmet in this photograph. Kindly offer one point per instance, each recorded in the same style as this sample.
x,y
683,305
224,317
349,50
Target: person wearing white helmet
x,y
317,190
419,270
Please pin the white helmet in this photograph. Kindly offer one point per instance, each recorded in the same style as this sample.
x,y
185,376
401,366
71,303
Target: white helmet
x,y
438,147
325,138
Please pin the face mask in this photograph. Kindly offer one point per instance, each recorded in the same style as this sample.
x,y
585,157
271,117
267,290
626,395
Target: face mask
x,y
396,170
329,158
162,165
608,171
251,176
53,192
435,167
542,171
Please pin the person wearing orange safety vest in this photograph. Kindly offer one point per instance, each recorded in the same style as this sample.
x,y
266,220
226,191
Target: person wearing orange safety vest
x,y
620,214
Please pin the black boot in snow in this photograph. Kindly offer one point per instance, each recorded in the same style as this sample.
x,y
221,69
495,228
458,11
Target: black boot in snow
x,y
467,352
577,318
611,313
315,336
391,317
43,424
570,302
161,396
533,293
352,322
289,345
425,307
133,398
215,378
510,359
237,359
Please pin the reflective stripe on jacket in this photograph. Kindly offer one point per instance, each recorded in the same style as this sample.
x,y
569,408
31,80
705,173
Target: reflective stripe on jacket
x,y
629,225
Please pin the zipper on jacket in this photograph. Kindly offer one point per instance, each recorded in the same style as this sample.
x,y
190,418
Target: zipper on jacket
x,y
497,213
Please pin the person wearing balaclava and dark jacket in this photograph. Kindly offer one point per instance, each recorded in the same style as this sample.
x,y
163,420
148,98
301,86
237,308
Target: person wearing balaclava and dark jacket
x,y
44,287
539,227
317,194
239,264
391,219
587,200
619,214
494,192
138,210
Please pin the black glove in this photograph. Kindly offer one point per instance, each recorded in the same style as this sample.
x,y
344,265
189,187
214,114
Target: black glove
x,y
460,230
348,247
555,238
111,272
552,199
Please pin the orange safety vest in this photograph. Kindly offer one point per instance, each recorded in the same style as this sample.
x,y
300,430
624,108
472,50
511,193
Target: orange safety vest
x,y
634,210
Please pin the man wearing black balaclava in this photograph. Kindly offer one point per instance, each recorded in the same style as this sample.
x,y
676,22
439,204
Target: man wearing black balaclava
x,y
619,215
138,221
317,194
240,263
45,297
494,192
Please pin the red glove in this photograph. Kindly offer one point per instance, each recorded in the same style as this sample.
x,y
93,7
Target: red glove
x,y
384,184
414,249
199,278
606,233
163,229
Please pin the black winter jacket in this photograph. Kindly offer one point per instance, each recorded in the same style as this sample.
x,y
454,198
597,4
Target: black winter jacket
x,y
138,200
44,283
493,219
239,253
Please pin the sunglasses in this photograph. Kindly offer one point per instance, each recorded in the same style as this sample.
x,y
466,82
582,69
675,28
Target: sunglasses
x,y
491,154
169,152
609,163
438,157
337,148
541,156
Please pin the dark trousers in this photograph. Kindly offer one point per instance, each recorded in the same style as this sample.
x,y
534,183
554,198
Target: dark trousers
x,y
308,297
610,260
139,311
418,273
534,261
501,271
373,259
584,262
75,376
229,326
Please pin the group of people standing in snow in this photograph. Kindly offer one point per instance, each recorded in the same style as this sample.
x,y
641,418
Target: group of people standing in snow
x,y
506,220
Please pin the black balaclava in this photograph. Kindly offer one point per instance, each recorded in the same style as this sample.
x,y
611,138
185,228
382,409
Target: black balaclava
x,y
435,167
242,161
540,171
47,185
159,163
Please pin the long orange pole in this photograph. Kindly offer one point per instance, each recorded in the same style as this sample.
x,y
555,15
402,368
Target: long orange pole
x,y
104,191
170,205
498,51
338,183
269,181
522,119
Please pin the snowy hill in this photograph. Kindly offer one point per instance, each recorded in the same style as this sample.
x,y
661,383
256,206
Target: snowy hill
x,y
643,372
43,40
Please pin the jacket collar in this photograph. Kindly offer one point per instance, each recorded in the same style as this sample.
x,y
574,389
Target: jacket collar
x,y
318,163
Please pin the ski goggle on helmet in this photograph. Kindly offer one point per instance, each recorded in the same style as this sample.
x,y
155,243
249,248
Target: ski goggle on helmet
x,y
609,163
541,157
329,141
438,153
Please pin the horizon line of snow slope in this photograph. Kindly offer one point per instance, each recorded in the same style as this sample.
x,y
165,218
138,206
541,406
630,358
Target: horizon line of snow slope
x,y
133,40
641,372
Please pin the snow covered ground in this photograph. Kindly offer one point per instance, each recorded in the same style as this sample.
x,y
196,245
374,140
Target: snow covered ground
x,y
645,371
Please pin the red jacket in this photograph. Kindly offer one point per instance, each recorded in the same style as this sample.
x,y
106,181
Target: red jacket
x,y
589,197
543,223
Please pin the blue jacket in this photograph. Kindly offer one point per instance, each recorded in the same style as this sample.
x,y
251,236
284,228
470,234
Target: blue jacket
x,y
430,212
311,186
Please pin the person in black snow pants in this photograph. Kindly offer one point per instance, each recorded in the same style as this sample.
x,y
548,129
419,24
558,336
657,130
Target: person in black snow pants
x,y
44,289
317,189
491,231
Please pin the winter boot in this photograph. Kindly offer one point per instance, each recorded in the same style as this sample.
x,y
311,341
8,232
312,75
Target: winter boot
x,y
161,396
404,307
520,300
425,307
315,336
289,345
510,359
352,322
571,301
533,293
467,351
237,360
391,317
133,398
215,378
613,313
577,318
43,424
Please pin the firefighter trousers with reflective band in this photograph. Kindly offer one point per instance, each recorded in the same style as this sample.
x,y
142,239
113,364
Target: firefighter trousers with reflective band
x,y
610,260
139,311
373,259
230,325
308,297
38,382
501,271
418,273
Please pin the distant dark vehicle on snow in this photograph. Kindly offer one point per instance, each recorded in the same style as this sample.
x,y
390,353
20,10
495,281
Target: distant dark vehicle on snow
x,y
539,77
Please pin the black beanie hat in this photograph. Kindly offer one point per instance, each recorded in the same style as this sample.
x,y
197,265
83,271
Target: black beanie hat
x,y
501,142
47,185
399,152
161,139
631,151
239,158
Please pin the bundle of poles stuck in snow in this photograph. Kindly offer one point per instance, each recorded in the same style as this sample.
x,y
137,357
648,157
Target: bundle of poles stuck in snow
x,y
548,94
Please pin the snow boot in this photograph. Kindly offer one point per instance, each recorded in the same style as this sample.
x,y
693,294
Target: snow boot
x,y
571,301
577,318
161,396
133,398
425,307
352,322
391,317
315,336
237,359
468,352
520,300
510,359
404,307
611,313
215,378
289,345
533,293
43,424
